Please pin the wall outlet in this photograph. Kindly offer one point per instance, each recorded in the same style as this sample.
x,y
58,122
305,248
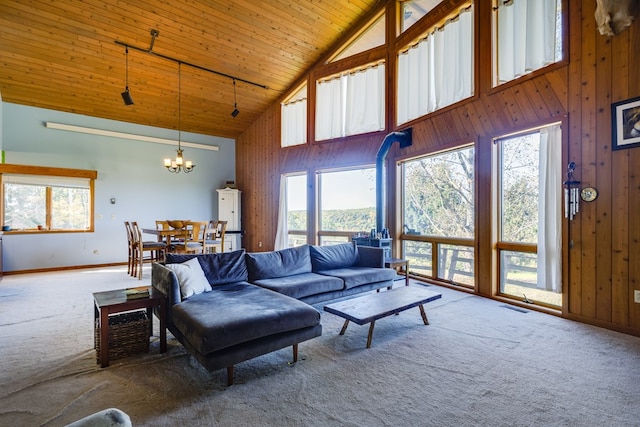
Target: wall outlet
x,y
636,296
259,244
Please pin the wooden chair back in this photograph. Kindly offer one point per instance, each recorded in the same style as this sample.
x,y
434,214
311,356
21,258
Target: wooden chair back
x,y
214,240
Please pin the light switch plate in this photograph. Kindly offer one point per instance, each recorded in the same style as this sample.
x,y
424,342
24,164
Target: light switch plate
x,y
636,296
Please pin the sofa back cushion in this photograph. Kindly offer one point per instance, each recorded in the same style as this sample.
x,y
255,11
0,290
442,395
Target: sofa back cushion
x,y
330,257
219,268
282,263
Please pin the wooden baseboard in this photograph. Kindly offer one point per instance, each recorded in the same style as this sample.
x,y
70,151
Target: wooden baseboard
x,y
73,267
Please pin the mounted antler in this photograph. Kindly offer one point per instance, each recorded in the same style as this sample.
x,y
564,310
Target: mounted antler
x,y
613,16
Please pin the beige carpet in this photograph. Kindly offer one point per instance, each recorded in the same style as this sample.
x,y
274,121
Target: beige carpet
x,y
479,363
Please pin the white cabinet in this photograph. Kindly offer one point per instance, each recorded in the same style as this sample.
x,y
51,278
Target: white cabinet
x,y
229,210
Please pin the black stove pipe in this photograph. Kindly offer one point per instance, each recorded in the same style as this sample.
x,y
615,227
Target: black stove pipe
x,y
404,139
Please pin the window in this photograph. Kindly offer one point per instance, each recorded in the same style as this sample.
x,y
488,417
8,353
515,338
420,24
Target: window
x,y
527,37
347,204
529,213
372,37
438,215
49,199
294,119
351,103
438,70
413,10
292,222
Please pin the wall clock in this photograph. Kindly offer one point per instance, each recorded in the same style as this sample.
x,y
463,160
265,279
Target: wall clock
x,y
589,194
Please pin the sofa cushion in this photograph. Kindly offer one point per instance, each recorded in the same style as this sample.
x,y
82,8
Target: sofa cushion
x,y
302,285
191,278
219,268
239,312
285,262
329,257
356,276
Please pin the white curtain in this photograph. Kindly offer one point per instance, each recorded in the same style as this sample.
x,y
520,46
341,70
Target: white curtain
x,y
282,232
351,103
437,71
294,123
329,107
364,110
550,210
526,37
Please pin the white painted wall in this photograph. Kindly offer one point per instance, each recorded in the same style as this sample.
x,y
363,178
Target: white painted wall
x,y
130,171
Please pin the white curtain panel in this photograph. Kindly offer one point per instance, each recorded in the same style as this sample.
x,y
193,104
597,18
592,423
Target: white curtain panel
x,y
526,37
282,231
365,101
550,210
329,109
294,123
438,70
351,103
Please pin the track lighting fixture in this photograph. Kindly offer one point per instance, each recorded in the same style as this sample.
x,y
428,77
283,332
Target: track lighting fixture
x,y
126,96
235,111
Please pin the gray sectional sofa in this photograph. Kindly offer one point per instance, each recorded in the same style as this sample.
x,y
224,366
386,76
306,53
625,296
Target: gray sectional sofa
x,y
230,307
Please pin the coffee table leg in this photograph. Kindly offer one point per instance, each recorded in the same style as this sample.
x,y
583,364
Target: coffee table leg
x,y
424,315
370,336
344,327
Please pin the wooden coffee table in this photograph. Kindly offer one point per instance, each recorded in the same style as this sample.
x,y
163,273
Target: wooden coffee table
x,y
371,307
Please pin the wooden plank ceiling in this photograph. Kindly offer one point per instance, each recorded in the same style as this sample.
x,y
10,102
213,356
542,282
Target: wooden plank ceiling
x,y
63,55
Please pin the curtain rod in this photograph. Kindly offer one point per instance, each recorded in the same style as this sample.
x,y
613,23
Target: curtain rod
x,y
159,55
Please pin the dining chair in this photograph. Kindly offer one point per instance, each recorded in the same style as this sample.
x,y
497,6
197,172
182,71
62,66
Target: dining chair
x,y
130,247
156,250
214,237
194,240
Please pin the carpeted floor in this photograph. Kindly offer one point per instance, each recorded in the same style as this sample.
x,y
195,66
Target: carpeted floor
x,y
478,363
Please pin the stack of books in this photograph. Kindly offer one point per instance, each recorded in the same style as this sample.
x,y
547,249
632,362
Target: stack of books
x,y
138,292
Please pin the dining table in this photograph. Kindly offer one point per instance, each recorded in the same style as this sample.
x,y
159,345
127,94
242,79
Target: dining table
x,y
168,236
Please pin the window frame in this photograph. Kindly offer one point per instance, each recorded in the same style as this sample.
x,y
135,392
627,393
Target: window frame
x,y
43,171
564,39
408,237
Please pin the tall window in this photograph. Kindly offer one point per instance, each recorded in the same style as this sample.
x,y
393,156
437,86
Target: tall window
x,y
35,202
530,215
294,119
292,221
438,215
527,37
347,204
438,70
351,103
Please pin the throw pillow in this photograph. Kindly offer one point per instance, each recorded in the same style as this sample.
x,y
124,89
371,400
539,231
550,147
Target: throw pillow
x,y
190,277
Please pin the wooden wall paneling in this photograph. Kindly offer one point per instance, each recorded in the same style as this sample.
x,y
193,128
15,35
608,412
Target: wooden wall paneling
x,y
620,188
573,286
634,183
484,265
586,164
601,141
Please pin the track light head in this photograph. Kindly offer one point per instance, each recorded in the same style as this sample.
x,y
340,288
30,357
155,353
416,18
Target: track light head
x,y
126,97
235,112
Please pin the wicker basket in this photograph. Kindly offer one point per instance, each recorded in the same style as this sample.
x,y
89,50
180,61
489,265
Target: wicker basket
x,y
128,334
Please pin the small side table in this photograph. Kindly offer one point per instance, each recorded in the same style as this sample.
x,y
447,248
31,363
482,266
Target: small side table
x,y
396,263
112,302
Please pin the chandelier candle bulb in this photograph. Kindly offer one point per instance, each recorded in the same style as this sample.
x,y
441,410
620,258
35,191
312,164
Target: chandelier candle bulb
x,y
167,163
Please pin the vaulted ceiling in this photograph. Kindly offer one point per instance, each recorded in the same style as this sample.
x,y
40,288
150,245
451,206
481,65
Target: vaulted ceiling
x,y
69,55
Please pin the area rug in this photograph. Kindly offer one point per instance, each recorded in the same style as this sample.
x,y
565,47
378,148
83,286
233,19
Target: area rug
x,y
479,363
